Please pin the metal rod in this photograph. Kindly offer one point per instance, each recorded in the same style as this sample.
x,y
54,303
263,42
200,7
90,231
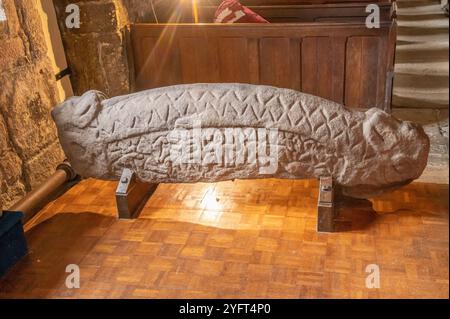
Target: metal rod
x,y
30,204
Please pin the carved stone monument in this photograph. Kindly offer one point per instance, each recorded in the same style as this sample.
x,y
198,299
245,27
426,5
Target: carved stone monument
x,y
214,132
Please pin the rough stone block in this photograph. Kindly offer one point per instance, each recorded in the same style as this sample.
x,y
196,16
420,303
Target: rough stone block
x,y
103,53
26,100
141,11
95,17
4,142
31,29
10,27
43,164
10,163
11,185
11,167
12,54
11,193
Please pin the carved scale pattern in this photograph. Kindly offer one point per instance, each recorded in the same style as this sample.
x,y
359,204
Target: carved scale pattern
x,y
315,136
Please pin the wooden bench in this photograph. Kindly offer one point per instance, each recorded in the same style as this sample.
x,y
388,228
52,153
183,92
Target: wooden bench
x,y
344,62
306,11
180,11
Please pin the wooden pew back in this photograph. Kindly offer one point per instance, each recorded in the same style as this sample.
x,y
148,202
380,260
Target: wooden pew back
x,y
344,62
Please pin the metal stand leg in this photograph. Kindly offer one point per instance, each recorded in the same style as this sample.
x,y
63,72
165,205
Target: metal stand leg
x,y
326,206
132,194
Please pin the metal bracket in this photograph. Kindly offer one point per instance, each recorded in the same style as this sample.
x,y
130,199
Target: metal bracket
x,y
326,205
63,73
132,194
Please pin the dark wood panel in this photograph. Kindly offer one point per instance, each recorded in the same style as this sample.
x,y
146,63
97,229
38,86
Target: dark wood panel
x,y
233,59
370,71
324,69
145,60
309,66
274,61
188,60
253,60
338,74
207,60
353,72
317,66
158,56
363,59
295,59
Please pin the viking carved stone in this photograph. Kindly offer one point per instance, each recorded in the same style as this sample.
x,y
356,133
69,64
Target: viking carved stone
x,y
214,132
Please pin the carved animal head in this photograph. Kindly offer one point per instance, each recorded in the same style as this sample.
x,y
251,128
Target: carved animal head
x,y
398,153
75,117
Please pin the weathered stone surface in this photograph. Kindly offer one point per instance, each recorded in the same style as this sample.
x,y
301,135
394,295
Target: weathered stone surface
x,y
95,16
12,54
96,51
102,52
43,164
27,98
28,143
229,131
10,170
11,26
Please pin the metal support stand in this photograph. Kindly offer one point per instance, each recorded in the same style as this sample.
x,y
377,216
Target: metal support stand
x,y
326,206
132,194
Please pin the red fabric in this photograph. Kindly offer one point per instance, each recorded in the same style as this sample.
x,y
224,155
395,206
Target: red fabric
x,y
231,11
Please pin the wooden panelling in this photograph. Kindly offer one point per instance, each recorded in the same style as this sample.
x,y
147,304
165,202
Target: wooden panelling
x,y
253,60
275,62
342,62
339,45
201,61
295,60
317,66
233,55
180,11
158,55
363,64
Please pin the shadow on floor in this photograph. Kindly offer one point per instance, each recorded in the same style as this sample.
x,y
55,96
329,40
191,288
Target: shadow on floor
x,y
53,244
354,214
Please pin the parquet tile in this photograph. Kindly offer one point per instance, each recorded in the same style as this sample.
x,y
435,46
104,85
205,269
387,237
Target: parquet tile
x,y
242,239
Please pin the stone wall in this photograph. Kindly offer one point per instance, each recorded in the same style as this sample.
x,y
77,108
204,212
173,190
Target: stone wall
x,y
29,149
95,52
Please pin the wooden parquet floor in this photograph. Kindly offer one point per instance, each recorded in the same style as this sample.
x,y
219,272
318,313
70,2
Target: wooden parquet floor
x,y
242,239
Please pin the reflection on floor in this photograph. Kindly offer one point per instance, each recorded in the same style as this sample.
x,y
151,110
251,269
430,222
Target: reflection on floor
x,y
243,239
